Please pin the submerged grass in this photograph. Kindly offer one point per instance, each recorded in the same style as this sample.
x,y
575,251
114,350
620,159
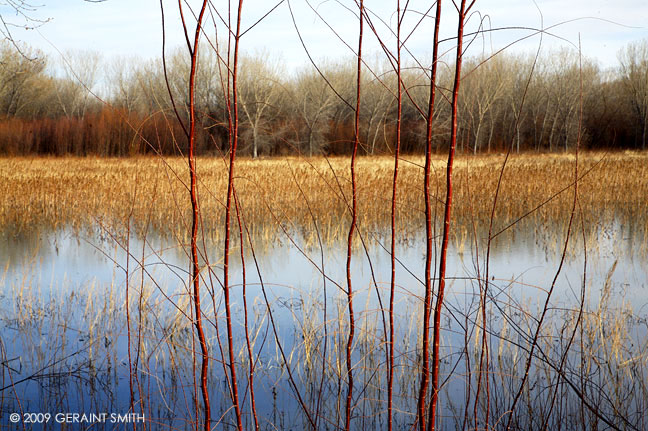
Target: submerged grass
x,y
51,193
65,350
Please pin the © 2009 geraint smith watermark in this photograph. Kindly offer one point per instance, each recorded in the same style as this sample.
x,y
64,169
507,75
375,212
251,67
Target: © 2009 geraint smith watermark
x,y
77,418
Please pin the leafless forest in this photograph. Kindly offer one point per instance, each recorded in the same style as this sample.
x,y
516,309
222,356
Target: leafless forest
x,y
46,106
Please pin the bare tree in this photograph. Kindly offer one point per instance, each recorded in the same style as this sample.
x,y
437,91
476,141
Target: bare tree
x,y
484,87
634,76
23,82
315,101
74,93
23,16
123,83
259,91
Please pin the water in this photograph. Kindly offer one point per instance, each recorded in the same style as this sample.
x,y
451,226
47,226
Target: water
x,y
65,336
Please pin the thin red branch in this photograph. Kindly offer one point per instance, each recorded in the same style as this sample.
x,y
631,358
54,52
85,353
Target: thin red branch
x,y
195,216
228,210
392,287
446,224
425,371
354,218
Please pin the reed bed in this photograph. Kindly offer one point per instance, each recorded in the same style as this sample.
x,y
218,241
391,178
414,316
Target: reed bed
x,y
289,194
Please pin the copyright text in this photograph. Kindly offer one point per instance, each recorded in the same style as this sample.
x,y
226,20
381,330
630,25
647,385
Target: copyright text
x,y
77,418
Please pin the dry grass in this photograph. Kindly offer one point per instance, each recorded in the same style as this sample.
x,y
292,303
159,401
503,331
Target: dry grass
x,y
55,192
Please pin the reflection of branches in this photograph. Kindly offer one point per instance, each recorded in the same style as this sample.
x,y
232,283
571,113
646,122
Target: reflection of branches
x,y
42,372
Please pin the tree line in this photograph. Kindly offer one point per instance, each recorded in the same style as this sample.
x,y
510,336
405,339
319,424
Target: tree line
x,y
83,106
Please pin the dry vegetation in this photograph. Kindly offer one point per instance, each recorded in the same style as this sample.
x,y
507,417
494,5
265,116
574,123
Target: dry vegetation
x,y
52,193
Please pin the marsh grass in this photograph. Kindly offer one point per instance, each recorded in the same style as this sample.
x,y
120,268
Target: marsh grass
x,y
55,193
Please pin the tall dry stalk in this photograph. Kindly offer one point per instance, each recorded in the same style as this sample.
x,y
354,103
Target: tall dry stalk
x,y
485,283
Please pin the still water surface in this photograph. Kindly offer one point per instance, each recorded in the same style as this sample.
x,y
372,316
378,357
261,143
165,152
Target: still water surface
x,y
56,358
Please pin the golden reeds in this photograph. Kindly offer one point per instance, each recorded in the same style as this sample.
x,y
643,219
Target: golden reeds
x,y
52,193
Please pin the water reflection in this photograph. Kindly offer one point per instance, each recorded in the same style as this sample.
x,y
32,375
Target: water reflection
x,y
67,258
64,329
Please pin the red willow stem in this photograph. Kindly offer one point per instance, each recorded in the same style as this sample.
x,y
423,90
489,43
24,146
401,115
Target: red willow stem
x,y
192,172
354,218
392,288
237,204
233,132
428,226
446,222
195,272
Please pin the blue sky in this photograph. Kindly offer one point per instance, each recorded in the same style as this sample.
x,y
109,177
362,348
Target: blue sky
x,y
133,27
